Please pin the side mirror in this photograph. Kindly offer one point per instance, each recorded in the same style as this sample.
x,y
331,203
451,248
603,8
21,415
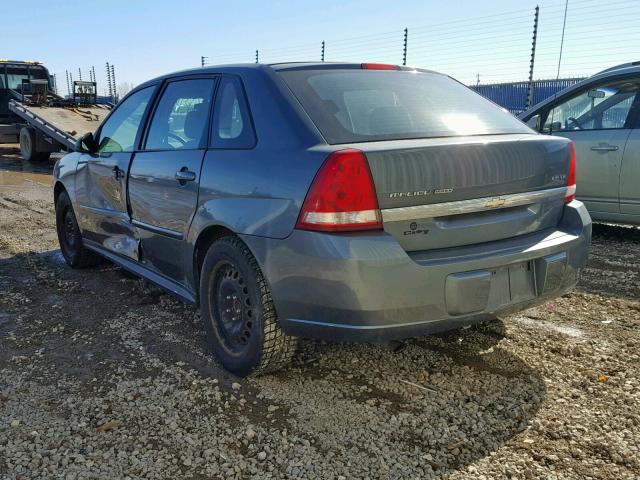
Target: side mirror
x,y
556,126
87,144
534,122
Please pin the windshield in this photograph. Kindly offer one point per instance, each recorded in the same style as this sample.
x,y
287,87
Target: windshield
x,y
351,105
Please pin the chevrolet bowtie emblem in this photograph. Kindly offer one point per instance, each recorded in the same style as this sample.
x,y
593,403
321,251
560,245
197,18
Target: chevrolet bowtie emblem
x,y
495,203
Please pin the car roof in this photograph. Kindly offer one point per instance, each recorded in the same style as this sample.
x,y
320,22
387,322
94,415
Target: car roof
x,y
336,65
632,66
209,69
281,66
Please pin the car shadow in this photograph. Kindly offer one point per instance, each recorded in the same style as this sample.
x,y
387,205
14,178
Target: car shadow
x,y
449,398
443,401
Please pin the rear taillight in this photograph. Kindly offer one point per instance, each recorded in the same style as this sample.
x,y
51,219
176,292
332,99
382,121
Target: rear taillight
x,y
342,196
571,178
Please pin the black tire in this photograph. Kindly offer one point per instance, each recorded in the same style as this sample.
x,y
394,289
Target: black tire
x,y
238,312
70,236
28,146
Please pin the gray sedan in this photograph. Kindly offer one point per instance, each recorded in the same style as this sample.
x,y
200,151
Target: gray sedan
x,y
359,202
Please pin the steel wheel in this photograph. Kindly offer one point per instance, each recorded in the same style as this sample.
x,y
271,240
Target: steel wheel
x,y
237,311
70,236
232,306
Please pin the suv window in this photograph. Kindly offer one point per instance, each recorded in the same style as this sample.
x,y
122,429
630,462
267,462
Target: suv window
x,y
596,108
118,133
182,115
232,126
354,105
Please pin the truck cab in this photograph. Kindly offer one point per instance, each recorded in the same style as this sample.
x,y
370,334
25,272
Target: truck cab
x,y
12,74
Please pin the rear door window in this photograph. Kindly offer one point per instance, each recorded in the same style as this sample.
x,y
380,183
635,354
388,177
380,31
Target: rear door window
x,y
354,105
232,126
15,75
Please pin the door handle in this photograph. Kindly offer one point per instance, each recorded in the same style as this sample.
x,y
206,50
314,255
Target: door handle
x,y
183,175
604,148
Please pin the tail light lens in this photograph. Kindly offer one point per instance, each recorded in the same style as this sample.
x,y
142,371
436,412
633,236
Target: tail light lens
x,y
571,178
342,196
379,66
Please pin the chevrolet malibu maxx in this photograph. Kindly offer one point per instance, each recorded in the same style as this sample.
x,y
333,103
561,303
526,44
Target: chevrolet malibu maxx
x,y
347,202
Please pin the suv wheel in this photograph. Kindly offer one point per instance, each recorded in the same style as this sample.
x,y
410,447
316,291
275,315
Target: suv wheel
x,y
70,237
238,313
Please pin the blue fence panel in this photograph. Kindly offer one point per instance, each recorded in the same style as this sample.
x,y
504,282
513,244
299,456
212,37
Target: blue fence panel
x,y
513,96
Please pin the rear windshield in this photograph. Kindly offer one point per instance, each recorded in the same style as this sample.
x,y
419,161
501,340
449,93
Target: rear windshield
x,y
353,105
15,75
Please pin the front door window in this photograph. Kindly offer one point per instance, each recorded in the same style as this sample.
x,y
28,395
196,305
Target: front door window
x,y
120,130
597,108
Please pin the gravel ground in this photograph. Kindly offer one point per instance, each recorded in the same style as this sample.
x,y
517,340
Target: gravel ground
x,y
103,376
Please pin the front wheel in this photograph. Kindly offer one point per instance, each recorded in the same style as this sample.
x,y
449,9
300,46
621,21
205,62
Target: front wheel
x,y
238,312
70,236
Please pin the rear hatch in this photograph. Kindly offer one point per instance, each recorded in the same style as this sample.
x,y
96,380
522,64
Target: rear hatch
x,y
450,168
467,190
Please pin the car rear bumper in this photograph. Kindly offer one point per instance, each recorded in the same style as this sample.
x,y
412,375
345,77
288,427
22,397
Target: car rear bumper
x,y
365,287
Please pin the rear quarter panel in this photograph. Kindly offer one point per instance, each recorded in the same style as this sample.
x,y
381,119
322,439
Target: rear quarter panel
x,y
259,191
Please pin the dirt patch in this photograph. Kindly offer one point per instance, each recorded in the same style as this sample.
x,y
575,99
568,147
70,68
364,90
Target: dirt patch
x,y
105,376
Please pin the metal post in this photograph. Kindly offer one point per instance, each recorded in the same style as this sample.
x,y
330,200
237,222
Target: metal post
x,y
257,56
79,74
533,57
322,54
109,80
202,61
404,48
71,83
66,73
93,73
113,80
55,84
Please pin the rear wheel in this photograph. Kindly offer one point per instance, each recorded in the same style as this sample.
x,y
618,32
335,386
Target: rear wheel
x,y
28,146
70,237
238,313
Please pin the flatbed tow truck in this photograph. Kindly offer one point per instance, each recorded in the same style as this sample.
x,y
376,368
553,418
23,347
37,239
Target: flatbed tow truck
x,y
43,122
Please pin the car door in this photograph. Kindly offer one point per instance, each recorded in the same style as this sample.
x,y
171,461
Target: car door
x,y
597,119
101,177
630,174
165,173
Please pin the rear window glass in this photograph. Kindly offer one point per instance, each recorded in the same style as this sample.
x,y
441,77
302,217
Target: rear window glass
x,y
352,105
15,75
